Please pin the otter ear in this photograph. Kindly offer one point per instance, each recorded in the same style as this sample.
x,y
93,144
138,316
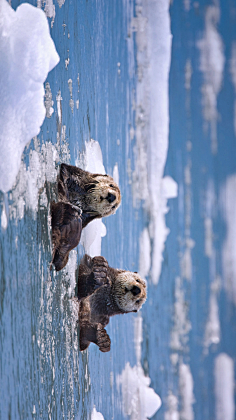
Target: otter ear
x,y
135,310
135,272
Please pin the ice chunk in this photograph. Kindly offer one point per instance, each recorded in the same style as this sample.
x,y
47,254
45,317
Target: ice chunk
x,y
224,387
92,161
96,415
27,55
139,400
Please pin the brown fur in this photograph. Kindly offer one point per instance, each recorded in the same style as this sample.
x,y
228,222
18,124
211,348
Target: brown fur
x,y
103,292
83,197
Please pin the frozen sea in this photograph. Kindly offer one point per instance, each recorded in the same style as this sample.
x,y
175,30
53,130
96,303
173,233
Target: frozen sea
x,y
146,93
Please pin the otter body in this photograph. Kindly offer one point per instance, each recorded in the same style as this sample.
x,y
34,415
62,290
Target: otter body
x,y
83,197
103,292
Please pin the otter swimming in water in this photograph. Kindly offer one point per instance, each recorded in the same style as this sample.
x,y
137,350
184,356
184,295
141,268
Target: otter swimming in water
x,y
103,292
83,197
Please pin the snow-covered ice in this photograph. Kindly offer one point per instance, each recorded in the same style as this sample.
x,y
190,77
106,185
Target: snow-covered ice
x,y
228,204
140,401
27,55
153,39
212,61
91,160
224,387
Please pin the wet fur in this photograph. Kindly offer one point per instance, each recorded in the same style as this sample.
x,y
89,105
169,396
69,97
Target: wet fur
x,y
103,292
83,197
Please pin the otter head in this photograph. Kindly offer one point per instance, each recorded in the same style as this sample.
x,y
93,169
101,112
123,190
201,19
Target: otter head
x,y
129,291
103,195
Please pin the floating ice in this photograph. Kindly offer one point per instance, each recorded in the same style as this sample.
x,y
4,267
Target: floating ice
x,y
212,61
182,326
212,331
96,415
153,38
224,387
92,161
139,400
27,55
228,203
233,76
186,392
144,253
172,403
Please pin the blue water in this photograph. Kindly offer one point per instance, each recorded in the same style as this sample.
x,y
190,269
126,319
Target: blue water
x,y
43,375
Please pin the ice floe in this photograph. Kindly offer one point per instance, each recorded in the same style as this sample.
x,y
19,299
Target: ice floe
x,y
186,392
228,204
153,39
139,400
224,387
91,160
212,61
27,55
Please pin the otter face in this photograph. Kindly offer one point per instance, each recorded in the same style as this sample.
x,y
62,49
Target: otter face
x,y
129,291
103,195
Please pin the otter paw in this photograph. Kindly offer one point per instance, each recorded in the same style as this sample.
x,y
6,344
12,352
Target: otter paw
x,y
100,267
103,340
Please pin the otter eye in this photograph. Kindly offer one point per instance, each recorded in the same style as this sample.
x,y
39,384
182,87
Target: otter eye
x,y
90,186
101,198
113,207
126,290
111,185
138,301
137,280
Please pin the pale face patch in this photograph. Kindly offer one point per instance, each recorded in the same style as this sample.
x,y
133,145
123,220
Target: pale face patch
x,y
130,291
103,196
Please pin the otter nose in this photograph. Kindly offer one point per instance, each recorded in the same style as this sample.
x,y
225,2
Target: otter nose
x,y
135,290
110,198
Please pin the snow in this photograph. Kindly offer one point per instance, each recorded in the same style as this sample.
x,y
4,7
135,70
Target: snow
x,y
224,387
27,55
153,40
212,61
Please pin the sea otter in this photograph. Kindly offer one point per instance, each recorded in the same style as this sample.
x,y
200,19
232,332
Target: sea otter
x,y
104,291
83,196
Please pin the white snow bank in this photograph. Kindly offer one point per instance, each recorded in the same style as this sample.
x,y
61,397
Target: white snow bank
x,y
27,55
224,387
91,160
153,39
